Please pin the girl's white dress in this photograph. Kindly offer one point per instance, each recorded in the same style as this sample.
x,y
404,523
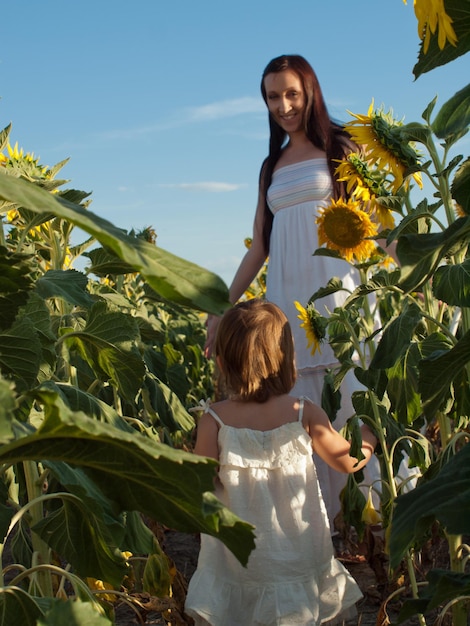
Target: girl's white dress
x,y
295,196
268,478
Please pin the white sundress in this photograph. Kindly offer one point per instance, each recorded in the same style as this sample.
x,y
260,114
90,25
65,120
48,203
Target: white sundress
x,y
296,194
268,478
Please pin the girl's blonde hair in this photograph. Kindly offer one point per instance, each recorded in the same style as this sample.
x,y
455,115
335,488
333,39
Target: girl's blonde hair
x,y
255,349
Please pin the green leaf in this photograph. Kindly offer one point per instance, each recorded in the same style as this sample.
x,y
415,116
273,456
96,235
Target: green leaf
x,y
20,353
104,262
459,12
108,343
170,276
169,485
334,285
7,407
402,385
445,498
330,396
451,284
77,534
138,538
454,117
4,137
460,187
438,371
73,612
353,502
363,402
37,312
396,337
69,285
414,131
18,608
428,110
78,400
75,481
164,406
443,587
420,254
15,283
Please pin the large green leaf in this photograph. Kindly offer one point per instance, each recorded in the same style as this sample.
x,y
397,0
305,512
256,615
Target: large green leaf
x,y
79,536
104,262
420,254
108,343
75,613
451,284
164,407
78,400
172,277
396,337
438,371
454,117
367,405
445,498
169,485
15,283
18,608
69,285
37,313
459,12
20,353
402,387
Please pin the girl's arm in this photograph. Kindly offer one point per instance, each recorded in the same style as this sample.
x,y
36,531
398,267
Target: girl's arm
x,y
207,437
247,271
332,447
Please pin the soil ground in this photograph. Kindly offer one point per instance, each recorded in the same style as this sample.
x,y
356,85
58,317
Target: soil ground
x,y
369,573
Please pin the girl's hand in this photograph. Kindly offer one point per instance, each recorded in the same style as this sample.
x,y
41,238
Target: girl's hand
x,y
212,323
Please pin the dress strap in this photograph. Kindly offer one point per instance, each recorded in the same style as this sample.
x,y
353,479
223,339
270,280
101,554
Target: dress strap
x,y
204,405
302,400
301,407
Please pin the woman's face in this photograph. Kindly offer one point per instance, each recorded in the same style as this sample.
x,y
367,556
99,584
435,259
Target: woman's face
x,y
286,100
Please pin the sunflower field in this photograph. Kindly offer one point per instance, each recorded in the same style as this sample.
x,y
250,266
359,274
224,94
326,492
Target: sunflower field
x,y
405,330
98,368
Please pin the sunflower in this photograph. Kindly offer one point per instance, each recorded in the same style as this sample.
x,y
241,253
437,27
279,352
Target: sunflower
x,y
385,146
313,324
383,214
366,185
431,15
344,227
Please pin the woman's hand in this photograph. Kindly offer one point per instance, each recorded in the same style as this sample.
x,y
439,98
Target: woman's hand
x,y
212,323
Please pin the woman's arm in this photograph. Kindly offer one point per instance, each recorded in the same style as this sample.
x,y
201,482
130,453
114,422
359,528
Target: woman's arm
x,y
332,447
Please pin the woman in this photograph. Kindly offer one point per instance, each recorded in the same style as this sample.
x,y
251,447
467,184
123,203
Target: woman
x,y
296,179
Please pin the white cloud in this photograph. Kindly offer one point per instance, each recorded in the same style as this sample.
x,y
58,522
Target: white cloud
x,y
211,187
226,108
207,112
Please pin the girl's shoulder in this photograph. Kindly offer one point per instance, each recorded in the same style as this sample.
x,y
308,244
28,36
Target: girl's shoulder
x,y
313,415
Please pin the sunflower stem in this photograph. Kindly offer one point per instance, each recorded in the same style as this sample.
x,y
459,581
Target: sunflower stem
x,y
442,182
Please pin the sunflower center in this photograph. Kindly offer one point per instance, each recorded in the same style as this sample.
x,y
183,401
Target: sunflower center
x,y
344,227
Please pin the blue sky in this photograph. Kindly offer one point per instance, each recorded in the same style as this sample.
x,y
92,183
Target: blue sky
x,y
158,106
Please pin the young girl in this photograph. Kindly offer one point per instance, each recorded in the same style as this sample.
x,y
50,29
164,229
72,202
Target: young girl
x,y
263,439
